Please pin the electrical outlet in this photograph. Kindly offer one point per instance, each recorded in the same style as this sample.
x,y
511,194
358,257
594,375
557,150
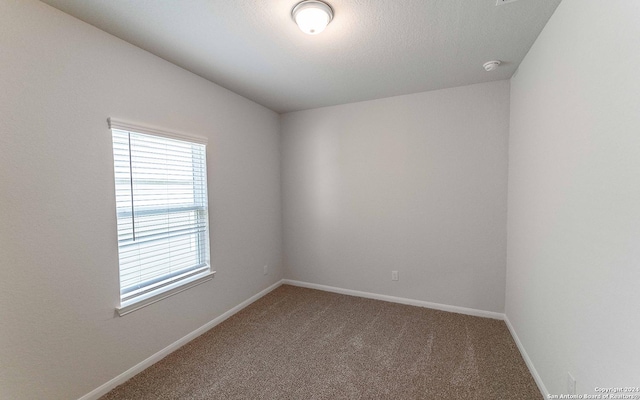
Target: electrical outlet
x,y
394,275
571,384
266,270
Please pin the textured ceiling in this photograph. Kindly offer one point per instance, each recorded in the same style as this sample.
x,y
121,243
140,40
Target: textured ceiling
x,y
371,49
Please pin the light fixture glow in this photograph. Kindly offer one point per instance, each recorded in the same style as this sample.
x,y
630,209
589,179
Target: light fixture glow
x,y
312,16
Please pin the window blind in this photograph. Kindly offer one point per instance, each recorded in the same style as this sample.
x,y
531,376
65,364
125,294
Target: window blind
x,y
161,206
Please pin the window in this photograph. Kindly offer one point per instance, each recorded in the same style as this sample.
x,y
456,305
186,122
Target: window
x,y
161,206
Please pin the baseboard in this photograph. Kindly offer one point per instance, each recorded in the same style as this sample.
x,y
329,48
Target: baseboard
x,y
136,369
527,360
401,300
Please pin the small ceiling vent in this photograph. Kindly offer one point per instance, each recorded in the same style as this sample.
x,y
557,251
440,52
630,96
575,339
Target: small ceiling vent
x,y
501,2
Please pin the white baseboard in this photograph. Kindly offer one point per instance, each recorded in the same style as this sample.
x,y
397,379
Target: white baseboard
x,y
527,360
401,300
136,369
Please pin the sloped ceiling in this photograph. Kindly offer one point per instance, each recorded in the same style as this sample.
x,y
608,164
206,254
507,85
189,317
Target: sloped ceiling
x,y
372,48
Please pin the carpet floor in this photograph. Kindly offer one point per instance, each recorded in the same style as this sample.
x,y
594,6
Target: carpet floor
x,y
297,343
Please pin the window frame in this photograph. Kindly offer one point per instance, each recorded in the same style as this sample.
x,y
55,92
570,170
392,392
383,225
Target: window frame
x,y
187,281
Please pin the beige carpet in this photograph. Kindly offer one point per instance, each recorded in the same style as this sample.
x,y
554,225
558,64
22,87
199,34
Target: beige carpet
x,y
300,343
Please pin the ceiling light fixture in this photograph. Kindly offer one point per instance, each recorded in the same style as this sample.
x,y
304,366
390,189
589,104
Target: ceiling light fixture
x,y
312,16
491,65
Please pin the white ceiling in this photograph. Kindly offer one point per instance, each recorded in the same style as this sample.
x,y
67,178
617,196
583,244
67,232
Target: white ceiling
x,y
371,49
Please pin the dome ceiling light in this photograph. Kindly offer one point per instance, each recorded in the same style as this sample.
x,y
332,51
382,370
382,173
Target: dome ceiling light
x,y
312,16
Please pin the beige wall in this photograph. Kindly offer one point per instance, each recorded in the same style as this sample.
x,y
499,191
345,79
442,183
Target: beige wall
x,y
574,197
414,183
60,79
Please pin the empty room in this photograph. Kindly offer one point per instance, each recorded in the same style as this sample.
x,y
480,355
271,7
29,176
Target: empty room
x,y
286,199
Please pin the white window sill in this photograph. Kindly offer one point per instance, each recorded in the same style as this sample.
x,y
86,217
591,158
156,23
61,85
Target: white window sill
x,y
167,291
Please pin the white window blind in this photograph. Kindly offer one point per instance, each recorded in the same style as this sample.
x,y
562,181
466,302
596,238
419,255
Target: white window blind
x,y
161,205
